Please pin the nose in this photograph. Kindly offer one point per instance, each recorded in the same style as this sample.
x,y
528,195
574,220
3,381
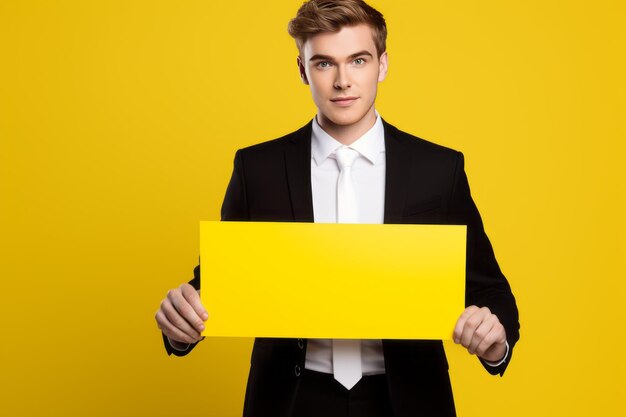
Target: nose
x,y
342,80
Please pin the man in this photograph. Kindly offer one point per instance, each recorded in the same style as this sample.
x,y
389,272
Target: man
x,y
349,165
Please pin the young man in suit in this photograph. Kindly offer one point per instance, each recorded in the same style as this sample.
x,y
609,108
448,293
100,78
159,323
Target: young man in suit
x,y
349,165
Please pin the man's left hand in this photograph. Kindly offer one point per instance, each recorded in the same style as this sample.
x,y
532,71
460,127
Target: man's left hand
x,y
481,333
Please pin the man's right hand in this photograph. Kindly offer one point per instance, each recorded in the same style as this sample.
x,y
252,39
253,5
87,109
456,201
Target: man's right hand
x,y
181,315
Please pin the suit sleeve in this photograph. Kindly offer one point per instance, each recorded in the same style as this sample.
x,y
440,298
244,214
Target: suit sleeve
x,y
235,205
486,286
234,208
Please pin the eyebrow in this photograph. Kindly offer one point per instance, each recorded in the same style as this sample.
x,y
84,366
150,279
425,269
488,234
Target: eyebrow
x,y
318,57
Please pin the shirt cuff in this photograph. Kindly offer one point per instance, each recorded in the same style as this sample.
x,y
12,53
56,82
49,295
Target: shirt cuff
x,y
501,361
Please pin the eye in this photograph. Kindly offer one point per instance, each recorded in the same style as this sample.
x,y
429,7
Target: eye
x,y
359,61
323,64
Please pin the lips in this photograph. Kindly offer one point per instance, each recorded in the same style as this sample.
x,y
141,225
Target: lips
x,y
344,101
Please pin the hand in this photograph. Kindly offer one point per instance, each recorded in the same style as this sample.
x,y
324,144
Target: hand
x,y
181,315
481,333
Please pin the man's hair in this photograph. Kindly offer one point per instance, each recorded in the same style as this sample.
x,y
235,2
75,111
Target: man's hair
x,y
323,16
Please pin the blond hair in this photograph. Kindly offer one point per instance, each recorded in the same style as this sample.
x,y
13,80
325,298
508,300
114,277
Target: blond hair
x,y
322,16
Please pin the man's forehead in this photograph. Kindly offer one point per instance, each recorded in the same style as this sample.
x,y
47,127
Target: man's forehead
x,y
342,44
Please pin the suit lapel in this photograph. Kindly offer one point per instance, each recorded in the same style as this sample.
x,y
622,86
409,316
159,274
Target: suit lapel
x,y
398,166
298,167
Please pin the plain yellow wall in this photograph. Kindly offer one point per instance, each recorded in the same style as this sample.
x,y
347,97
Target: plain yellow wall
x,y
118,125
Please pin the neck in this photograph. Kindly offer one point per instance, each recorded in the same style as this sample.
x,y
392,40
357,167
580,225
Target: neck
x,y
347,134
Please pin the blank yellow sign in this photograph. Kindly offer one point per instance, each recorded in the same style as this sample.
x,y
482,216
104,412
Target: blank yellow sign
x,y
312,280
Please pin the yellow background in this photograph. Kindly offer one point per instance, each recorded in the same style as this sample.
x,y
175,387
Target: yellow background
x,y
118,125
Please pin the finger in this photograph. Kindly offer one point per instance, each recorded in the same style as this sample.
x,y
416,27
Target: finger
x,y
171,331
471,324
497,336
480,333
178,321
458,328
185,310
193,298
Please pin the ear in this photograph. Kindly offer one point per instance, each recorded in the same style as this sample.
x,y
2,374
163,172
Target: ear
x,y
382,66
303,76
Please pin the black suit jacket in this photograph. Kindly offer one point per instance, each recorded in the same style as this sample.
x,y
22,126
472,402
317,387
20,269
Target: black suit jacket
x,y
425,183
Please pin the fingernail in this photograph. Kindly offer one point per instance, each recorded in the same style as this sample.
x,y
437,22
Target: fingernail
x,y
205,315
201,327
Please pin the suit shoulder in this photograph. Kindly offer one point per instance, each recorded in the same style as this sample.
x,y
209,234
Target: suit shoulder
x,y
276,146
423,146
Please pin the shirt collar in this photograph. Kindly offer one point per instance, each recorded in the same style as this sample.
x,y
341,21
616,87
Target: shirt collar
x,y
369,145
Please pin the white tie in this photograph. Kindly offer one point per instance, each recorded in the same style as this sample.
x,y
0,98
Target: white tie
x,y
346,197
346,352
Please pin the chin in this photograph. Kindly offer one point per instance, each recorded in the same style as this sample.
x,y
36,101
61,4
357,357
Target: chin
x,y
345,119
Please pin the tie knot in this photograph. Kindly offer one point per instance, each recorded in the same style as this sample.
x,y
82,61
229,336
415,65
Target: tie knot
x,y
345,157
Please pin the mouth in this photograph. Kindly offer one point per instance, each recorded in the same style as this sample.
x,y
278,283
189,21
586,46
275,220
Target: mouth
x,y
344,101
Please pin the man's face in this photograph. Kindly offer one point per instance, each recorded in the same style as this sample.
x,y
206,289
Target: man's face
x,y
343,71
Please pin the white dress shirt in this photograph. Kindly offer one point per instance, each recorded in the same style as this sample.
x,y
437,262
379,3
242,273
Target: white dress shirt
x,y
368,175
